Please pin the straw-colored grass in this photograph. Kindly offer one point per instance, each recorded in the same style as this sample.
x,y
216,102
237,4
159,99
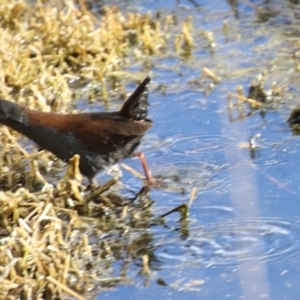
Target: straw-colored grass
x,y
47,222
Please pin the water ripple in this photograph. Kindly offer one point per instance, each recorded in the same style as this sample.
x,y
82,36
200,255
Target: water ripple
x,y
205,145
189,174
231,242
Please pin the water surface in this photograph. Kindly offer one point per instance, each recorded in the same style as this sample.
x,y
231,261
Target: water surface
x,y
242,236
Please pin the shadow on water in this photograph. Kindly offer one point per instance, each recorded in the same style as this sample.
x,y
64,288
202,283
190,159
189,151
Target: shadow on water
x,y
242,236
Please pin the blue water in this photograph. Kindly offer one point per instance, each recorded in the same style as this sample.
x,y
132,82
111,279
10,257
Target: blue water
x,y
242,237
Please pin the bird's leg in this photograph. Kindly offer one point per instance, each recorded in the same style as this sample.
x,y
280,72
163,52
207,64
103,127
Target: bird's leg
x,y
147,171
93,184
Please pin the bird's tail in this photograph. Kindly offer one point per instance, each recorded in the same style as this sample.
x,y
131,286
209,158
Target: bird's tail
x,y
136,106
10,111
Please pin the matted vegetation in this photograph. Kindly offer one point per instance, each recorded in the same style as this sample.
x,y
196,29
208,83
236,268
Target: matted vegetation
x,y
53,236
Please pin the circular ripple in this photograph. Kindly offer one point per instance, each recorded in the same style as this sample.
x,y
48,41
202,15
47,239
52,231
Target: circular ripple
x,y
207,147
232,242
203,145
155,146
189,174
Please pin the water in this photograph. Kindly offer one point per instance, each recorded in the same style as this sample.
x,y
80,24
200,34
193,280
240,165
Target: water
x,y
242,237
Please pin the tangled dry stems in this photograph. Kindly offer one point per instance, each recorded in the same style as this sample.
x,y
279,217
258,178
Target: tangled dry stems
x,y
46,228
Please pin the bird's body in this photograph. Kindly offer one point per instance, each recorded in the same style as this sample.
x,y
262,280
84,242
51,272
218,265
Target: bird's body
x,y
294,117
99,138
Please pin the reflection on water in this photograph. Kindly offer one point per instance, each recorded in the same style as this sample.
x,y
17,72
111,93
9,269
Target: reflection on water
x,y
242,237
184,175
229,242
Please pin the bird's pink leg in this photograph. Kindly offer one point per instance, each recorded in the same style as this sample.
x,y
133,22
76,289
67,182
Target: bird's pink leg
x,y
147,171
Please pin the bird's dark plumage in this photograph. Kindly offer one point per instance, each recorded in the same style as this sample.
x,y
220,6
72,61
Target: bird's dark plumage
x,y
294,117
99,138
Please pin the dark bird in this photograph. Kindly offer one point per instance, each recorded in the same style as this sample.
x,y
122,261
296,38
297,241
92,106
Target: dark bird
x,y
294,117
100,138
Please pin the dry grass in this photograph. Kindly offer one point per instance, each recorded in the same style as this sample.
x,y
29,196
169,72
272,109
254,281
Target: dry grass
x,y
50,240
45,237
